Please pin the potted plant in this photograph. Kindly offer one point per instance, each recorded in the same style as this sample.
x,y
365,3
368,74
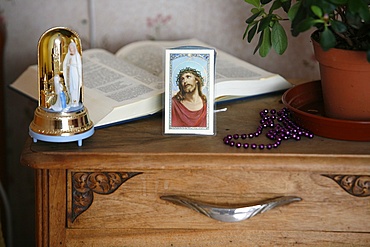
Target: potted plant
x,y
341,31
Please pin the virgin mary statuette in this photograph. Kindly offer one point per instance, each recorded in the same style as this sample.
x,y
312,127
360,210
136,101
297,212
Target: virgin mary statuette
x,y
60,115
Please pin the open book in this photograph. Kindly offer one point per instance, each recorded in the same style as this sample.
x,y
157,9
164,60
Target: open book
x,y
130,84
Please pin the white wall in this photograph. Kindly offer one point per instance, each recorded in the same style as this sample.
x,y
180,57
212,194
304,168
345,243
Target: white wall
x,y
118,22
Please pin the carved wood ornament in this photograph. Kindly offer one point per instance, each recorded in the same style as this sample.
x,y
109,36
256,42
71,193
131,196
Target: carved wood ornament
x,y
356,185
85,184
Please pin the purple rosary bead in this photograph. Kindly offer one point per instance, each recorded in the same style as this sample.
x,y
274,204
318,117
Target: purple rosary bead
x,y
284,129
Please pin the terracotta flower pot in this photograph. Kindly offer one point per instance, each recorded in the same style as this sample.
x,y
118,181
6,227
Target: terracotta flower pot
x,y
345,82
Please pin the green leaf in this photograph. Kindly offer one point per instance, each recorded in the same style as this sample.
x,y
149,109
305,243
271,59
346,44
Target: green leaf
x,y
354,20
339,1
252,18
265,22
275,5
317,11
304,25
286,5
252,32
359,7
327,39
325,6
255,10
258,45
354,6
279,38
266,42
255,3
293,10
265,1
245,32
338,26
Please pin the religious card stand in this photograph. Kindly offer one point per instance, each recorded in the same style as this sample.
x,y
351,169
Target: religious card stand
x,y
60,115
189,91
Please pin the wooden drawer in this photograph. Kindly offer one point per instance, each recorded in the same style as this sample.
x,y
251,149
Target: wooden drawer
x,y
77,205
136,203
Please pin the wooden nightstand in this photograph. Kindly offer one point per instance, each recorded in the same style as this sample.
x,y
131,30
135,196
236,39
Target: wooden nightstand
x,y
107,192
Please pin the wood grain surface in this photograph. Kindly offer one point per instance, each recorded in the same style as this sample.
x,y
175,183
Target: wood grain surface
x,y
201,168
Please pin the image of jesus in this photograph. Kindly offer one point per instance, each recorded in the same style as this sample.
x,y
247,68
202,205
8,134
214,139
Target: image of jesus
x,y
189,104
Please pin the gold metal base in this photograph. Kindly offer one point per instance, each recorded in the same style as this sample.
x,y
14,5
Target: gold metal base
x,y
60,123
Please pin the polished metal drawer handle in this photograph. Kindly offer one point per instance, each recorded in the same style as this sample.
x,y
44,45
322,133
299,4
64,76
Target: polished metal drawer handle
x,y
226,214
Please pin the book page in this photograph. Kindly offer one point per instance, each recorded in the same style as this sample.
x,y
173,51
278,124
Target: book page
x,y
235,78
26,83
149,55
144,54
111,82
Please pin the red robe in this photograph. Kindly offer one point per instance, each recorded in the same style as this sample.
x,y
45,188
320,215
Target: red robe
x,y
182,117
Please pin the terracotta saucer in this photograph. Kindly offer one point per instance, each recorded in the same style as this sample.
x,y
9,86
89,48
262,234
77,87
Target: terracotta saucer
x,y
306,103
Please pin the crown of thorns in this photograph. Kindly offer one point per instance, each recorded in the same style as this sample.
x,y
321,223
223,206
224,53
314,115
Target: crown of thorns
x,y
189,70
